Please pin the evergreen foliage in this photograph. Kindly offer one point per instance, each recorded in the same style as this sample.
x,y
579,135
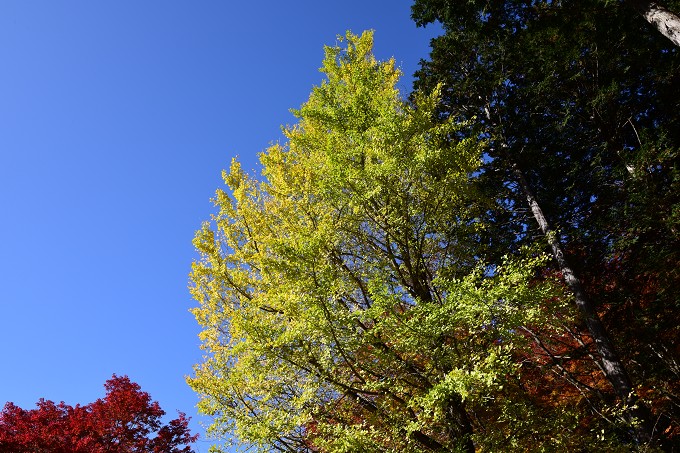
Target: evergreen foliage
x,y
583,98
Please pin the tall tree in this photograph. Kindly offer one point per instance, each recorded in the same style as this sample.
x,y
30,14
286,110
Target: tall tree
x,y
664,20
342,298
582,126
125,421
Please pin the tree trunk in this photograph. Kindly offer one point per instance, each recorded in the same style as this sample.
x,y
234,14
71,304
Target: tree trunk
x,y
611,364
667,22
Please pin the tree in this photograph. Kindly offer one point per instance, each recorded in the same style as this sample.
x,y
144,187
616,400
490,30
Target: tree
x,y
122,422
342,297
583,131
664,20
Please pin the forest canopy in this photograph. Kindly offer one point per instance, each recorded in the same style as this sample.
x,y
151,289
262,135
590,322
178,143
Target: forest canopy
x,y
488,264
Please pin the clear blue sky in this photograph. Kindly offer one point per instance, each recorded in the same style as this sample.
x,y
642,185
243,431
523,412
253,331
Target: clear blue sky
x,y
116,119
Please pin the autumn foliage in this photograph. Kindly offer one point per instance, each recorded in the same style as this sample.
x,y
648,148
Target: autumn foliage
x,y
126,420
393,283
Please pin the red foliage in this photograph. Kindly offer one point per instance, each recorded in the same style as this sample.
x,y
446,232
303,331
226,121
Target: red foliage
x,y
125,421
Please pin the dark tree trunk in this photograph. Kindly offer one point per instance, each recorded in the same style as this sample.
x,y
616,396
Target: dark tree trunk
x,y
609,360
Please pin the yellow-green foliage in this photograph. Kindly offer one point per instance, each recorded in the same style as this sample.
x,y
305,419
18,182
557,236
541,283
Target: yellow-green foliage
x,y
341,304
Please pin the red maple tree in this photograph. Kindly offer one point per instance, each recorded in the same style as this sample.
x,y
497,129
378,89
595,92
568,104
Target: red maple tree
x,y
126,420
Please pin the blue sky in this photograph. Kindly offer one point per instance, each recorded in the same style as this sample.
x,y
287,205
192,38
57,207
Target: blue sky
x,y
116,119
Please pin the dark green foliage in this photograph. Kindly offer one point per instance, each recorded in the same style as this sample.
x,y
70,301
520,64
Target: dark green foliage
x,y
584,96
